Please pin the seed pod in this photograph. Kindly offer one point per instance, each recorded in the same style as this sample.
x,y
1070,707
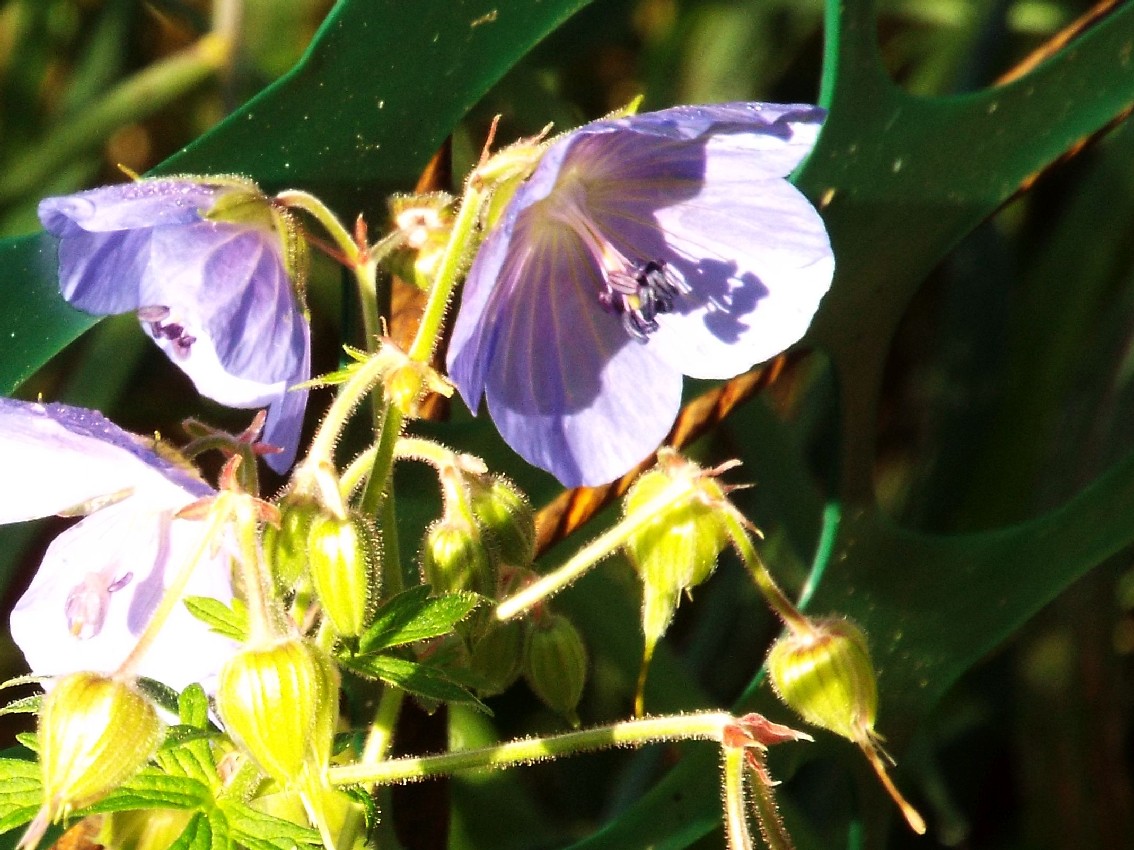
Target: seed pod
x,y
506,517
285,547
280,703
826,676
95,732
454,558
497,658
344,571
556,665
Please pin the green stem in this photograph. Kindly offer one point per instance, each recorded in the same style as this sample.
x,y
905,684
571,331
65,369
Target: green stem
x,y
130,101
599,548
778,601
448,272
352,392
706,726
737,834
381,736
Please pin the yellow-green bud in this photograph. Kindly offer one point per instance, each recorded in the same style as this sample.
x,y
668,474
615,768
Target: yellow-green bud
x,y
285,547
95,732
454,558
506,517
677,549
498,657
825,674
148,829
280,703
344,570
556,665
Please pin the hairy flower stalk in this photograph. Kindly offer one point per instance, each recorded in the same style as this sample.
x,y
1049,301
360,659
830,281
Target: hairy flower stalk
x,y
641,249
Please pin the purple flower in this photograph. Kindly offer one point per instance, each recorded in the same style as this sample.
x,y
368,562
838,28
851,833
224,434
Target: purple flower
x,y
641,249
206,265
102,578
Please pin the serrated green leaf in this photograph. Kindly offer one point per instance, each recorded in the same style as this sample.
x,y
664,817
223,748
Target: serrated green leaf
x,y
420,679
29,679
259,831
26,705
21,792
199,834
231,622
413,615
193,707
153,789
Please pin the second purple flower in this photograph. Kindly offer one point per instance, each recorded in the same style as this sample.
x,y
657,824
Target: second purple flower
x,y
211,269
641,249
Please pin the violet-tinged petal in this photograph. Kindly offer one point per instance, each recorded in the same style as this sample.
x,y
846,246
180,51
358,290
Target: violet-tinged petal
x,y
66,457
141,204
640,249
137,551
102,578
215,294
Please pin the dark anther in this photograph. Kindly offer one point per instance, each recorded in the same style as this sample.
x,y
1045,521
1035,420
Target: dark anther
x,y
174,332
642,293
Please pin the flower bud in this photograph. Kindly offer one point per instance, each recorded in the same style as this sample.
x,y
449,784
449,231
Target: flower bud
x,y
556,665
95,732
454,558
285,547
280,703
344,570
825,674
498,657
506,517
678,548
145,829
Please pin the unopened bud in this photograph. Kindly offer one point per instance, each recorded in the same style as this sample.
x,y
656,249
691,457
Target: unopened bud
x,y
454,558
678,548
825,674
149,829
285,546
280,703
497,658
95,732
506,517
344,570
556,665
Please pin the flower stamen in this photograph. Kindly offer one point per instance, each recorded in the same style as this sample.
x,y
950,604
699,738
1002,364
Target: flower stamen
x,y
174,332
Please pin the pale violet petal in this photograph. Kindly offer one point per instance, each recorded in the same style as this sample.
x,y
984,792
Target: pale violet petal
x,y
138,550
128,206
68,457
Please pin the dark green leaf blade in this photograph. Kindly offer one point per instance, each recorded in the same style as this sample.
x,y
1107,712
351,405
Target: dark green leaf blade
x,y
412,615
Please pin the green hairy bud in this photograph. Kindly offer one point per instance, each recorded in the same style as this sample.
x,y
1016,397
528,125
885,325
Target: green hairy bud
x,y
454,558
827,677
506,517
95,732
280,703
344,571
556,665
285,547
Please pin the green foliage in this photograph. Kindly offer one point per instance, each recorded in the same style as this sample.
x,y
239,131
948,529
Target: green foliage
x,y
902,179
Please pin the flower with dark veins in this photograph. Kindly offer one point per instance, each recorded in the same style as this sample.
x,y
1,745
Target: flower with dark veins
x,y
211,267
641,249
102,578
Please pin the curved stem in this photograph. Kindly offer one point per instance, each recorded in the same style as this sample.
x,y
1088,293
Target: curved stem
x,y
707,726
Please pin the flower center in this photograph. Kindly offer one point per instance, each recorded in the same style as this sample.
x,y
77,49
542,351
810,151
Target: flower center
x,y
637,291
88,601
155,317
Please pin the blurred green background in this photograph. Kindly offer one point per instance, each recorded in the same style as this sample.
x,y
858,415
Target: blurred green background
x,y
1004,392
